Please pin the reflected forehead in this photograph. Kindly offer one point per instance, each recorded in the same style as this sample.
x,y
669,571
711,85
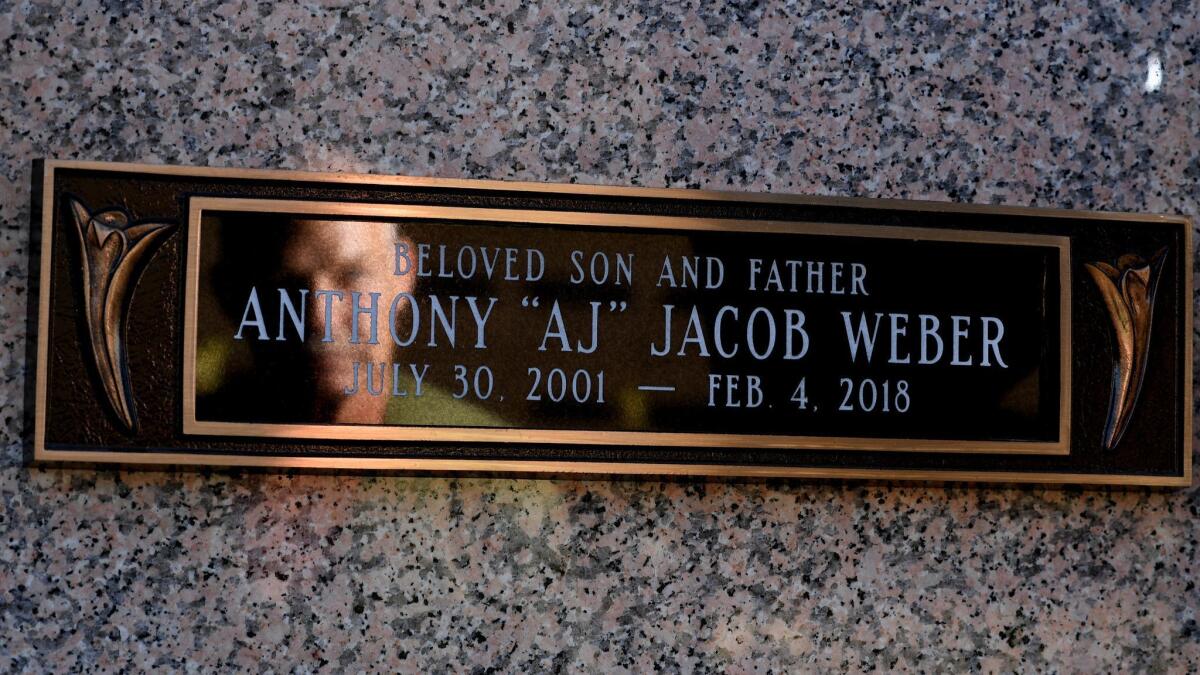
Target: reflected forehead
x,y
332,241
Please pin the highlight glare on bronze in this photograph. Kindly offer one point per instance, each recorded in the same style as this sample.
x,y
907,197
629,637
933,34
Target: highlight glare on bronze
x,y
1128,291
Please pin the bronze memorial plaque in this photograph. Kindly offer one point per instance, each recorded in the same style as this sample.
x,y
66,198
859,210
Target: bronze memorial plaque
x,y
287,319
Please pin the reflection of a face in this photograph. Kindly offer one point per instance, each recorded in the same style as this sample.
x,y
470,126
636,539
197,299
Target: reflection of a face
x,y
343,256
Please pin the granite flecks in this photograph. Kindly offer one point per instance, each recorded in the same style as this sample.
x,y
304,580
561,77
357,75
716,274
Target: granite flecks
x,y
1045,106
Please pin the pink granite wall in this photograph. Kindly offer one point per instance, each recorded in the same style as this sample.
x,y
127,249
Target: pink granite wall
x,y
986,103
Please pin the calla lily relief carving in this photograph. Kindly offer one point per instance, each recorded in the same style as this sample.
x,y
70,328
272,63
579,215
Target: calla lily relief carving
x,y
1128,291
113,251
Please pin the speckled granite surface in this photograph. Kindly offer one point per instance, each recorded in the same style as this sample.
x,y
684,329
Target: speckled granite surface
x,y
982,103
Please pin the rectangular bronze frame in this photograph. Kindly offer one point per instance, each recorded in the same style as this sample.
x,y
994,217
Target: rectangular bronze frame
x,y
43,454
199,205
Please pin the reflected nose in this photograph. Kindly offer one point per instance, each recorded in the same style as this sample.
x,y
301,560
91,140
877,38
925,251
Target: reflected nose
x,y
318,317
317,302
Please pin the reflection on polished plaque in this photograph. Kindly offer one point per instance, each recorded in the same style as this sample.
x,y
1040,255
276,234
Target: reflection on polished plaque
x,y
205,316
666,331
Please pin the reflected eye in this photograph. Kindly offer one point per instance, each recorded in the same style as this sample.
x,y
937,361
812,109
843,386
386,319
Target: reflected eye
x,y
348,278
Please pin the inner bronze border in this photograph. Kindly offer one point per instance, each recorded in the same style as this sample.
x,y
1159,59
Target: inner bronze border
x,y
197,206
